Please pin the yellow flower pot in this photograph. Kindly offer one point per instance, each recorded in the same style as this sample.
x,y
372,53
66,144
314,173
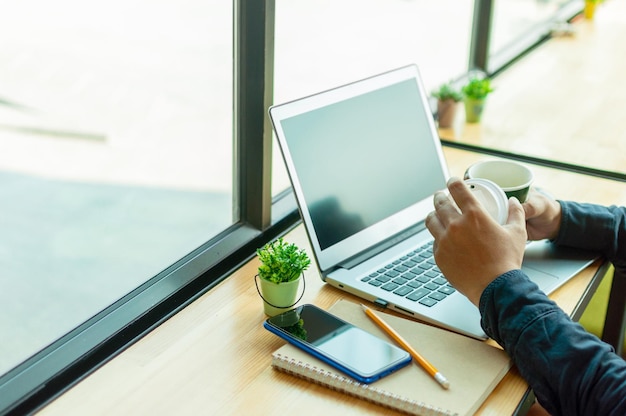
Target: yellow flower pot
x,y
279,297
590,9
474,109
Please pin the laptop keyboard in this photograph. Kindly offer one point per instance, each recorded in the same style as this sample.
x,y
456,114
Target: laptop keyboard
x,y
414,276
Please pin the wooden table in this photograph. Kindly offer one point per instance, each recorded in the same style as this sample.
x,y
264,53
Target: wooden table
x,y
213,357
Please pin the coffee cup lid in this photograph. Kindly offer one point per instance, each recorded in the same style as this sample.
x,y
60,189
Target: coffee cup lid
x,y
492,197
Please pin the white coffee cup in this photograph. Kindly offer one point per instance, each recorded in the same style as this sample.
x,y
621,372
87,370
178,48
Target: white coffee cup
x,y
514,178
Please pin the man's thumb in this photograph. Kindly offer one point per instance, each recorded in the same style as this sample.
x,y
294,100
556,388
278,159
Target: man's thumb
x,y
516,212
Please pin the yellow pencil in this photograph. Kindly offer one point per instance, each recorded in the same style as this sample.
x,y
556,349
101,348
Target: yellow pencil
x,y
441,379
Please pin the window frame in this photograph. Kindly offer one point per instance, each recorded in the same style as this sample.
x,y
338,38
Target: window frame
x,y
482,59
66,361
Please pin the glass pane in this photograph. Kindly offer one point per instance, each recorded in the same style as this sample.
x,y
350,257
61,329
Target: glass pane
x,y
116,138
323,44
515,19
562,100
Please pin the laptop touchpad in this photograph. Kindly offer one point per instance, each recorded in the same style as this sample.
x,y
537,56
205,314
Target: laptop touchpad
x,y
545,281
561,262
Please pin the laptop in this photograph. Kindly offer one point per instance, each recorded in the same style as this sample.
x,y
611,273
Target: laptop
x,y
364,161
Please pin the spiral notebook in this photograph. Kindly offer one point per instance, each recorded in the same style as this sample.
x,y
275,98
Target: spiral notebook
x,y
473,367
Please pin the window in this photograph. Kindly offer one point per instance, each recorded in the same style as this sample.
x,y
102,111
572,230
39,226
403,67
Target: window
x,y
520,24
116,136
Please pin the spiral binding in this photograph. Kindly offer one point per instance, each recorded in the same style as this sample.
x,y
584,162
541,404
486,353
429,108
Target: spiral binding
x,y
354,388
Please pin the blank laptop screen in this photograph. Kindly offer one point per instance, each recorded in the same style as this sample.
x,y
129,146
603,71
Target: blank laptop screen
x,y
363,159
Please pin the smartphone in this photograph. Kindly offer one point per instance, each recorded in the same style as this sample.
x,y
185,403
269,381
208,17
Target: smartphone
x,y
348,348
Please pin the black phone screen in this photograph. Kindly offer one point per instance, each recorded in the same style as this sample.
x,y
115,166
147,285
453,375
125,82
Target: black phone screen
x,y
340,342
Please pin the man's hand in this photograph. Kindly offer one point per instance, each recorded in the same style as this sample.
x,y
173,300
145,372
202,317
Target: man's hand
x,y
471,248
543,216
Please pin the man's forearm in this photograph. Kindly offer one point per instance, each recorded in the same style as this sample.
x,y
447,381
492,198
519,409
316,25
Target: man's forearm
x,y
571,371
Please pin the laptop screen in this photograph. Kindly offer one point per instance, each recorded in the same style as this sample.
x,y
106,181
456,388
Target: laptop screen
x,y
364,160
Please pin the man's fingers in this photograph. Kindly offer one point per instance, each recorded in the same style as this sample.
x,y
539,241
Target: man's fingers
x,y
445,208
516,213
461,194
434,225
445,211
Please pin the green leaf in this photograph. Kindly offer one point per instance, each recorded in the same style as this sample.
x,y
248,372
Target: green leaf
x,y
448,92
477,88
282,261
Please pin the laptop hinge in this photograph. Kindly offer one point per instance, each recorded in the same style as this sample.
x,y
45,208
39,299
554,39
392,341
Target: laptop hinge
x,y
379,248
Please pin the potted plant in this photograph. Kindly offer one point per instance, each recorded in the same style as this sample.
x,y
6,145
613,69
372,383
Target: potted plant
x,y
280,273
448,98
475,93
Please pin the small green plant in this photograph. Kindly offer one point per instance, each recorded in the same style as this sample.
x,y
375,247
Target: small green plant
x,y
282,261
448,92
477,88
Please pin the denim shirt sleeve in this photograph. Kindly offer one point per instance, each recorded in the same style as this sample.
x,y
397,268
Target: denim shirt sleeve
x,y
596,228
570,370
